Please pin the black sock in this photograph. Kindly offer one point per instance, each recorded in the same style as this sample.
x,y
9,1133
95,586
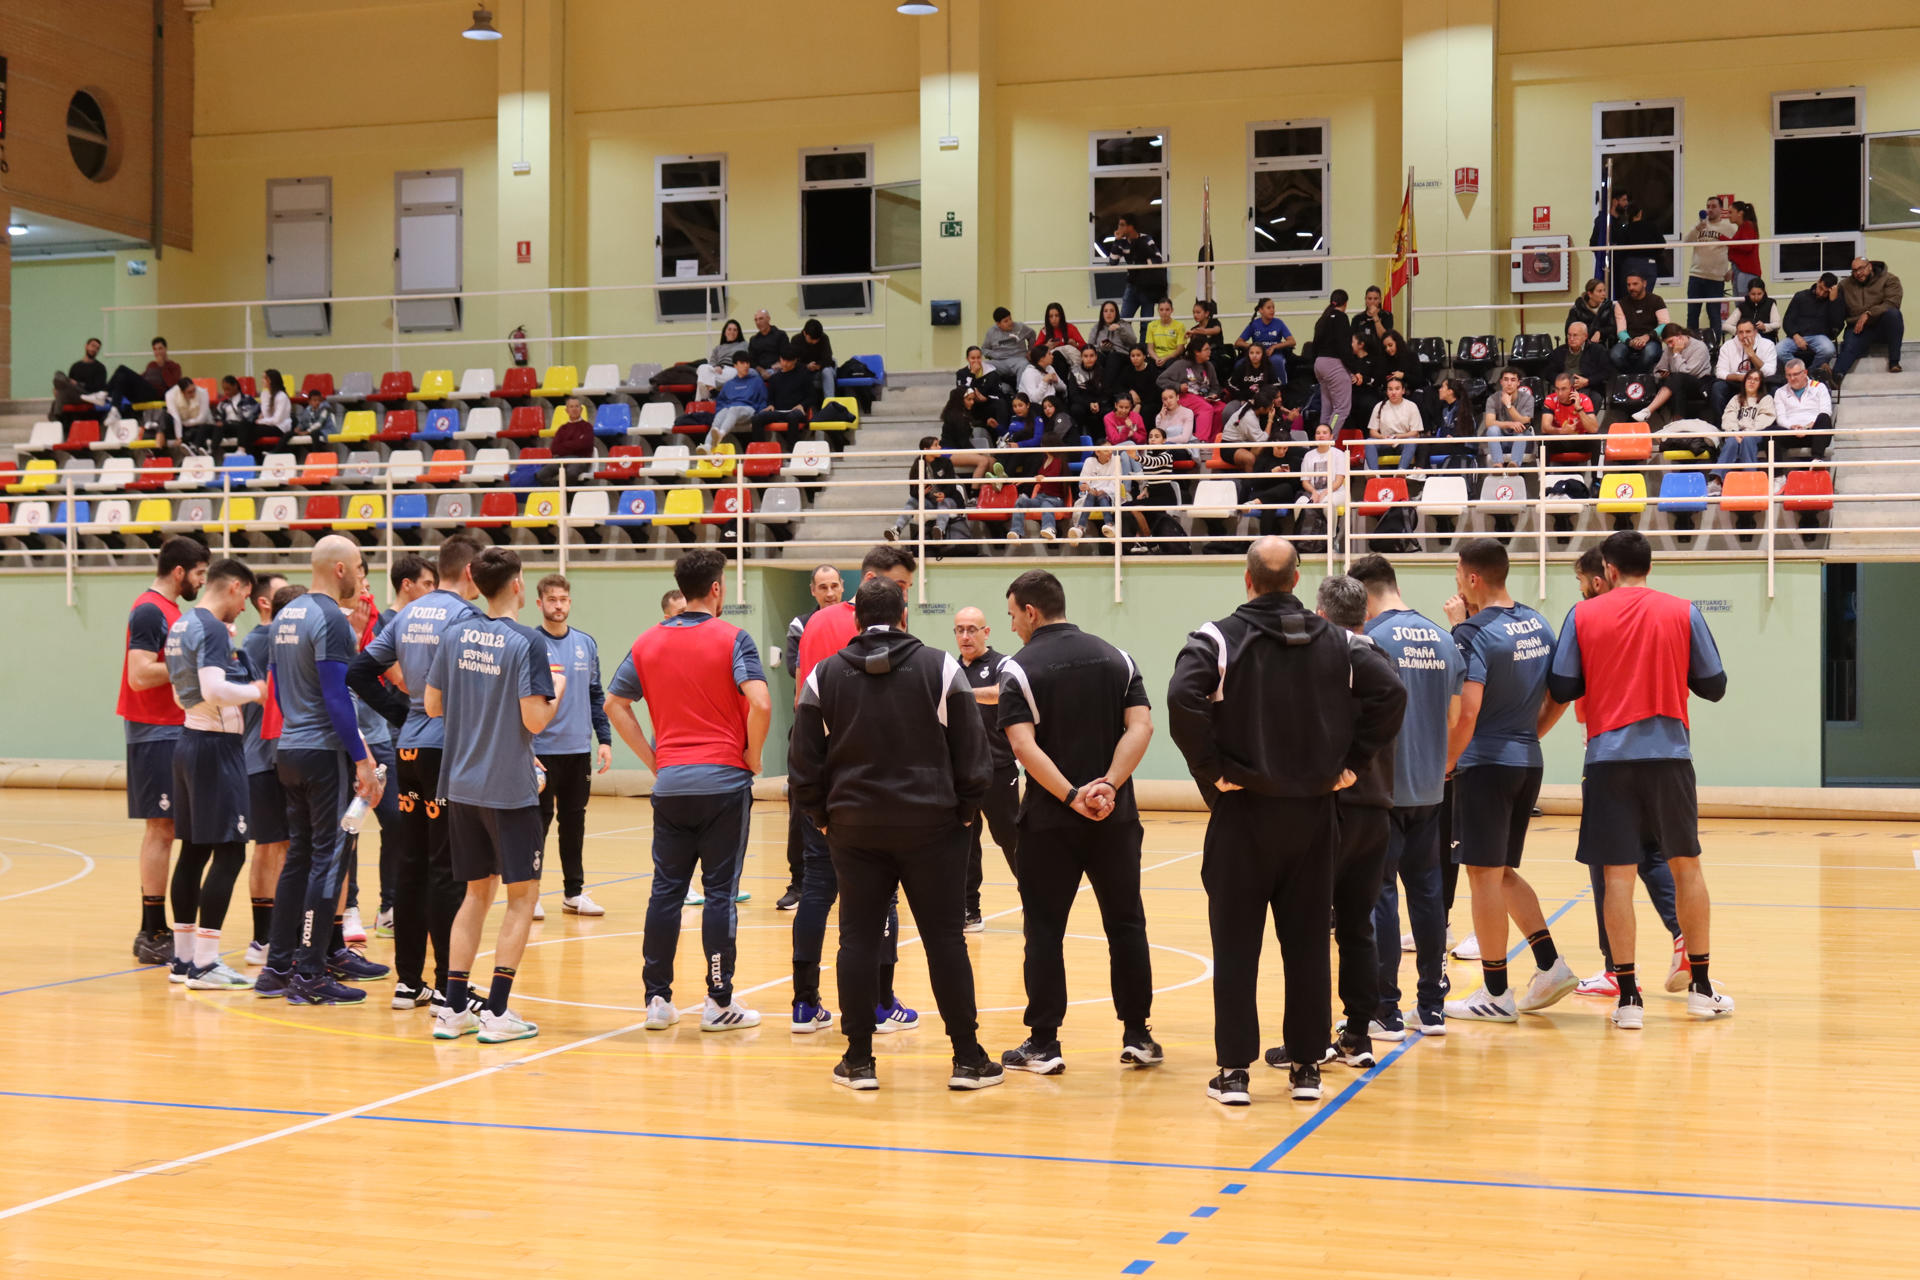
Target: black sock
x,y
1629,985
153,913
860,1051
1495,973
262,919
502,988
1043,1035
1136,1031
1544,952
1699,983
457,990
337,941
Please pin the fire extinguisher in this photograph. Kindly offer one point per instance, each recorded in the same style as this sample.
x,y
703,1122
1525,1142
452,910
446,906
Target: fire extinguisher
x,y
517,343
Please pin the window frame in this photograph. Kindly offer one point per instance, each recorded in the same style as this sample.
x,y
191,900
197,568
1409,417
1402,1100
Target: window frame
x,y
1674,142
920,256
1866,178
1096,171
1857,130
402,210
1322,161
713,286
834,184
1856,92
322,215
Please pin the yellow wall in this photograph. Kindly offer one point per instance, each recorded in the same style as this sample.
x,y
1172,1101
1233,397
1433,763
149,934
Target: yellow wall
x,y
56,305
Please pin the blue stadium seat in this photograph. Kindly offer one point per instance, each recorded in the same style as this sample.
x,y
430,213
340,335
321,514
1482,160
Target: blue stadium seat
x,y
1683,492
409,509
636,509
1074,464
613,422
876,385
239,468
57,527
439,426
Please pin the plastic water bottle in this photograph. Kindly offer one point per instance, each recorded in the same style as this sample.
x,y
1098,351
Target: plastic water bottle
x,y
356,815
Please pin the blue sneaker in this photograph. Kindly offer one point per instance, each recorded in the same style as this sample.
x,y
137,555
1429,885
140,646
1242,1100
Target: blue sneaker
x,y
348,965
809,1018
179,970
304,990
893,1017
272,982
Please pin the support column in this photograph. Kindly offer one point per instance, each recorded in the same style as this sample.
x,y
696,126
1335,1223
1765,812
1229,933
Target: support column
x,y
1447,123
956,102
6,310
531,204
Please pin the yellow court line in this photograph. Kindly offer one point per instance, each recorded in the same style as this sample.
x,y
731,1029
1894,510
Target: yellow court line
x,y
226,1006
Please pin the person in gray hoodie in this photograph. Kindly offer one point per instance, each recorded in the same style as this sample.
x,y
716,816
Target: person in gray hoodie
x,y
1008,344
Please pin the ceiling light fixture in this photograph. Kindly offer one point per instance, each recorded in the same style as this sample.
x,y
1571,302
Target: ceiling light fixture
x,y
917,10
482,28
16,228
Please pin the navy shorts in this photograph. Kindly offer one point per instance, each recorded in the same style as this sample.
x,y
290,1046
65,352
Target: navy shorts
x,y
1629,805
1492,804
150,779
210,793
495,842
266,808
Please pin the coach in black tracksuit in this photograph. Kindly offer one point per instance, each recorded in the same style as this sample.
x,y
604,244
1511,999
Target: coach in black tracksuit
x,y
889,758
1001,810
1273,716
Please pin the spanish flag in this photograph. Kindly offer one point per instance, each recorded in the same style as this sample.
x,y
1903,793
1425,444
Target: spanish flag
x,y
1406,248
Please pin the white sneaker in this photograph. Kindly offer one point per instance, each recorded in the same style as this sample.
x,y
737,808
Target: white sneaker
x,y
539,909
1549,986
1406,943
1629,1017
695,898
498,1028
735,1017
448,1025
1680,971
1111,530
582,905
256,954
1643,415
1075,533
383,924
1014,535
661,1014
1375,1031
217,977
1449,935
1469,949
1048,534
1481,1007
351,928
1705,1006
1420,1022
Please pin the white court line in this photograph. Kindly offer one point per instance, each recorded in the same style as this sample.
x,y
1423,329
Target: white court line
x,y
84,871
1916,859
6,863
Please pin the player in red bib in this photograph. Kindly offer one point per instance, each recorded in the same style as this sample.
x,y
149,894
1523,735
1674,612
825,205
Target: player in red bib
x,y
153,721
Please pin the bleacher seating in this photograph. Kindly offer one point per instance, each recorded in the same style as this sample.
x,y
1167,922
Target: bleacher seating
x,y
319,470
440,427
41,438
399,426
354,389
613,422
518,383
196,472
475,384
682,505
600,380
435,384
669,460
276,470
482,424
656,418
394,386
526,423
115,474
560,380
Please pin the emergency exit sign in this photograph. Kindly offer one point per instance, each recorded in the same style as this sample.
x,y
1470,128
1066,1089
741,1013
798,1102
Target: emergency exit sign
x,y
950,227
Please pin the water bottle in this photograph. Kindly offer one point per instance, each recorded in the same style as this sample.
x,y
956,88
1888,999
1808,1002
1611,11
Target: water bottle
x,y
356,815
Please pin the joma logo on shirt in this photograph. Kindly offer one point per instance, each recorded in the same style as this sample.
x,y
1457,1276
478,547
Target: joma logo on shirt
x,y
486,639
1417,635
1525,626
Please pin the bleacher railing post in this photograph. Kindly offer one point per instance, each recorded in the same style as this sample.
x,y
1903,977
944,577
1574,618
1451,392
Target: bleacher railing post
x,y
71,540
226,509
246,316
739,525
1772,517
1540,508
560,519
920,529
388,531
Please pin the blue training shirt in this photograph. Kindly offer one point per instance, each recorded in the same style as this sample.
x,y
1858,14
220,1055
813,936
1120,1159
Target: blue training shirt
x,y
199,640
582,716
1433,672
1507,649
308,632
147,630
1656,737
411,640
695,779
482,668
256,650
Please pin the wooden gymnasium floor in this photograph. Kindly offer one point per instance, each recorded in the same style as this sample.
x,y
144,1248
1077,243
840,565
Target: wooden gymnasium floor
x,y
151,1131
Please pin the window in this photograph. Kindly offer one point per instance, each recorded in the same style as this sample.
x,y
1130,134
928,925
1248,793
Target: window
x,y
690,217
427,250
1287,214
896,227
1893,180
87,136
1637,150
1818,179
837,226
1127,173
299,255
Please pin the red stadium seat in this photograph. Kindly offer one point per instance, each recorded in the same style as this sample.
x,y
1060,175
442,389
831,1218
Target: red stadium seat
x,y
80,437
397,385
518,384
496,509
729,504
322,510
1808,490
526,422
1382,490
153,474
400,424
321,469
622,464
315,386
762,460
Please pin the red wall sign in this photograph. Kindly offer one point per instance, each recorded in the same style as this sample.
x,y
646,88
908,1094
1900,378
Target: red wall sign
x,y
1466,182
523,250
1543,217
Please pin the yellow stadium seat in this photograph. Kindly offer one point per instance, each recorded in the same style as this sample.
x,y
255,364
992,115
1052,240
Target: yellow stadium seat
x,y
683,505
717,465
561,380
361,513
41,473
151,513
238,512
358,425
1622,493
435,384
542,509
851,405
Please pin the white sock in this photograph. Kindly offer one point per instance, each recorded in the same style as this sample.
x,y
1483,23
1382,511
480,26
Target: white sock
x,y
183,942
206,947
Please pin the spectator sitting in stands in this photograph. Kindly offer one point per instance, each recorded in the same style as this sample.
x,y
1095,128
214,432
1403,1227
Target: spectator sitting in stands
x,y
1581,357
1039,379
1509,414
1123,424
984,389
740,399
275,422
1593,310
1804,410
767,342
1758,306
1684,369
1745,351
1814,316
1323,475
1640,318
1099,493
1374,319
1165,338
941,494
1175,421
1192,376
1008,344
816,355
88,373
1395,424
1206,324
1141,377
1747,414
162,374
1872,295
1269,332
1056,331
1568,411
1025,430
1113,339
1249,424
956,436
1368,368
1158,488
719,364
1086,387
1398,360
789,394
1047,494
70,403
573,438
1254,374
1449,422
237,411
192,416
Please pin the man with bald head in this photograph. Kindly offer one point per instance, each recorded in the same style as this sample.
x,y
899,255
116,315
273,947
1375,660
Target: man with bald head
x,y
323,763
1274,836
999,812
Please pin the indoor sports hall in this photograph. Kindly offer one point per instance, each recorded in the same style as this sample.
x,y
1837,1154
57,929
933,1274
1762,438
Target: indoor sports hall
x,y
529,532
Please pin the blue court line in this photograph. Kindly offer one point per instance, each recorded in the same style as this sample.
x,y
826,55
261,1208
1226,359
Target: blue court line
x,y
983,1155
92,977
1205,1211
1172,1237
1233,1188
1138,1267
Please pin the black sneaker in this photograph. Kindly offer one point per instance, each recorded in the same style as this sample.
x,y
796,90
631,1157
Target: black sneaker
x,y
1352,1053
322,990
1040,1057
153,947
408,996
856,1075
790,900
974,923
983,1074
348,965
1139,1049
1229,1088
1278,1059
1304,1079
